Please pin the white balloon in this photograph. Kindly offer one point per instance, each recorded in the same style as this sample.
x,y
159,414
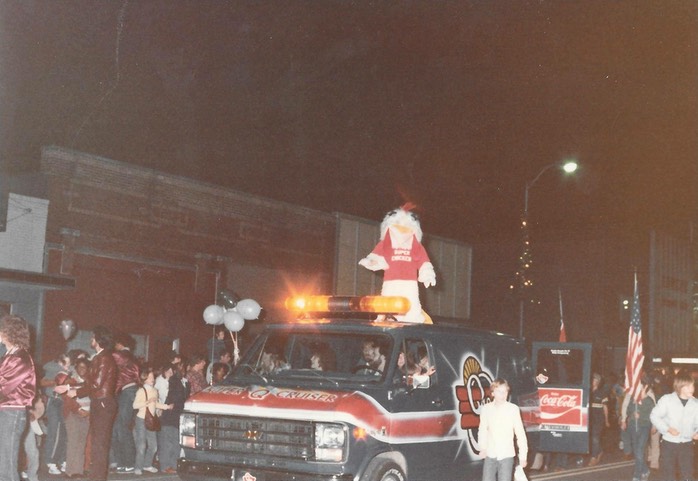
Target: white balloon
x,y
213,315
233,321
249,309
67,328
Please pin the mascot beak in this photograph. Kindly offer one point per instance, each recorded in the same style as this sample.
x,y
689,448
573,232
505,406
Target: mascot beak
x,y
402,229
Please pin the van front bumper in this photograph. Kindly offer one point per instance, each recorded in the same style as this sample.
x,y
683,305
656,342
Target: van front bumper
x,y
201,470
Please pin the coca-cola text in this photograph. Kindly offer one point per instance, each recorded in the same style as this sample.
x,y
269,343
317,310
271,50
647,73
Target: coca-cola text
x,y
559,400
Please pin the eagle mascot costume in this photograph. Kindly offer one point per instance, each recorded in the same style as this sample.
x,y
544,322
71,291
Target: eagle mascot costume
x,y
405,262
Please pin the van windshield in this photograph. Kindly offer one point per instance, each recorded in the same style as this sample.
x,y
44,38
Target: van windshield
x,y
335,356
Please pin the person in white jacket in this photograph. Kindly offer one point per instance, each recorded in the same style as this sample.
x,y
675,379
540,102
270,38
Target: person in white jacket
x,y
146,441
676,418
500,421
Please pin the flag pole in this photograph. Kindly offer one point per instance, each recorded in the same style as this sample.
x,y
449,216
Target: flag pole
x,y
559,296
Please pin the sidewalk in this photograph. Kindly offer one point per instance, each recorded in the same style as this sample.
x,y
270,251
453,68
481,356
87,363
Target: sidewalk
x,y
44,476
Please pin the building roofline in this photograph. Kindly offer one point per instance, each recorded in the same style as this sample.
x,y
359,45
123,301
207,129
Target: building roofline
x,y
37,279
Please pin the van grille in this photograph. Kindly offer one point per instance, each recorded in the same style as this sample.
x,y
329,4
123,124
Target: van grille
x,y
273,437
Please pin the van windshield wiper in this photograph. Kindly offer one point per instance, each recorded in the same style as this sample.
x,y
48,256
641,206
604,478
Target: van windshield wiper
x,y
255,371
322,376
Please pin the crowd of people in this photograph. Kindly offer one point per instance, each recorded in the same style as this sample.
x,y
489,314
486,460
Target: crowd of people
x,y
99,425
657,430
83,416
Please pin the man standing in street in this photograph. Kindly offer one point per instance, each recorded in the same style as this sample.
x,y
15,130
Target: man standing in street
x,y
168,442
122,442
500,422
598,418
100,387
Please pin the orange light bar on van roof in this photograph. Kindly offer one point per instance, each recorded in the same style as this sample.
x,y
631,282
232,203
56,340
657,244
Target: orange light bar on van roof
x,y
376,304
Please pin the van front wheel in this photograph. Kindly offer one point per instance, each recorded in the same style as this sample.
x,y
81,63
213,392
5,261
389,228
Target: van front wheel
x,y
383,470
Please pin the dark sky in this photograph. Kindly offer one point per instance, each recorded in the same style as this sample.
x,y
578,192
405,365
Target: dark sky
x,y
358,106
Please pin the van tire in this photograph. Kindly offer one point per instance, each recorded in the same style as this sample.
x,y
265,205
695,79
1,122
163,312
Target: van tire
x,y
383,470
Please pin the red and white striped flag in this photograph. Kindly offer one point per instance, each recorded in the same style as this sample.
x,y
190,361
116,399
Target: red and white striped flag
x,y
563,334
635,357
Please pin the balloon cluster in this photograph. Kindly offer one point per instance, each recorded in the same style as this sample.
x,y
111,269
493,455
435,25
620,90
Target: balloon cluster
x,y
233,311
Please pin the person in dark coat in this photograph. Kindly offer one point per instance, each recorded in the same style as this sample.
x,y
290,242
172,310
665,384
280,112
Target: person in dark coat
x,y
598,417
101,388
168,447
123,447
635,421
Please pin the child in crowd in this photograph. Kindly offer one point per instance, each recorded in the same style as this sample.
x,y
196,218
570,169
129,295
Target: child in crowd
x,y
31,440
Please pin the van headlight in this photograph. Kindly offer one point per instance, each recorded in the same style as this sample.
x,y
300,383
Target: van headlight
x,y
187,430
330,441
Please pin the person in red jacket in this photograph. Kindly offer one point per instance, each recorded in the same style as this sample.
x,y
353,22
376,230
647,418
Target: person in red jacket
x,y
17,391
123,446
101,388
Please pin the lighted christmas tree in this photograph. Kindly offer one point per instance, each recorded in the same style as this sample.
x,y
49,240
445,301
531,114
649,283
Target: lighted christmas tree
x,y
523,281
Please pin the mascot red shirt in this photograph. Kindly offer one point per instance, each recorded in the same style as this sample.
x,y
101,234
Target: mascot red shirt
x,y
403,258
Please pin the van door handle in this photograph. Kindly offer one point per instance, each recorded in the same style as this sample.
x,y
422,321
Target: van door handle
x,y
437,402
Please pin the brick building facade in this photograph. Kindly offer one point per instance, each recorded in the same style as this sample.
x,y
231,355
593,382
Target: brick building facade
x,y
148,251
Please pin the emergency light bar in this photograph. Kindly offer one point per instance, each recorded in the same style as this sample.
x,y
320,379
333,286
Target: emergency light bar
x,y
375,304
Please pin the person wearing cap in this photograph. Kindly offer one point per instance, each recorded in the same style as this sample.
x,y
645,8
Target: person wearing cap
x,y
676,418
598,418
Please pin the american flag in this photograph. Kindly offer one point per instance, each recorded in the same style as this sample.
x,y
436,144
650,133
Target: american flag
x,y
635,357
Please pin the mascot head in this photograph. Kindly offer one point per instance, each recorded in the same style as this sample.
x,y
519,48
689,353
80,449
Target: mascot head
x,y
403,219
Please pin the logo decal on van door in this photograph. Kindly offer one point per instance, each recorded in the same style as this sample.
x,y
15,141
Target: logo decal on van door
x,y
474,392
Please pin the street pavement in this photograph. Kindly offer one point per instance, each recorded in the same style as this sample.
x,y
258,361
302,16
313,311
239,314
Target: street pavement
x,y
614,466
610,471
44,476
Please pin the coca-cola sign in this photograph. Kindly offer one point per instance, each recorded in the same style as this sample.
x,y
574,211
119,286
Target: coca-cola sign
x,y
560,408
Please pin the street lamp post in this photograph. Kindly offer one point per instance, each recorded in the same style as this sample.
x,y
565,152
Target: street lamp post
x,y
568,167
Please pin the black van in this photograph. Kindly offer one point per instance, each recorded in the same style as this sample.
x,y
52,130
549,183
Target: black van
x,y
343,397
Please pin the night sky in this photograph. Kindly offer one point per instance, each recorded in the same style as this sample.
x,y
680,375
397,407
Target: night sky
x,y
358,106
